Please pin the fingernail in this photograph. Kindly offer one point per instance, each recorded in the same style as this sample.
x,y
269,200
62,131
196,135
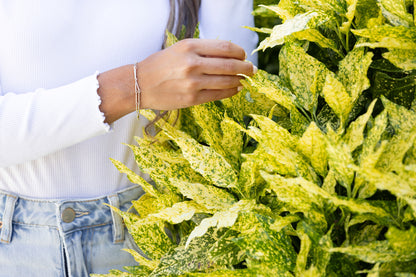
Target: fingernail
x,y
255,69
240,88
245,55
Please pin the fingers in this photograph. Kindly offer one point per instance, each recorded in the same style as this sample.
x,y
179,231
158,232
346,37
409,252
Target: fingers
x,y
213,48
211,95
218,82
220,66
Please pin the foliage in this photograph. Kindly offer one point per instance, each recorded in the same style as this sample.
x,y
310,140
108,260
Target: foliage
x,y
310,172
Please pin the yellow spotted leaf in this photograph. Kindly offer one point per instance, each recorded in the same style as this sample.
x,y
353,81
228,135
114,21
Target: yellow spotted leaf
x,y
312,145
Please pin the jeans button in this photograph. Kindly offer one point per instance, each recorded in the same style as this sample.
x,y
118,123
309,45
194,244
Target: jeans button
x,y
68,215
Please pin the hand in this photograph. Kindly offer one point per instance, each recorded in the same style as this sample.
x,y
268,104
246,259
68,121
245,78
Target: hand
x,y
191,72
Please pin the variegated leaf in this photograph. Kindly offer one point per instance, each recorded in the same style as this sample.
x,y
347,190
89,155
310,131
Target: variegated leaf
x,y
402,58
403,241
151,265
302,258
313,35
270,129
203,159
337,97
232,142
266,246
340,160
373,252
355,132
209,116
388,181
287,9
396,12
273,90
388,36
366,11
135,178
148,204
220,219
181,260
312,145
179,212
299,123
225,252
305,74
298,23
149,234
352,5
353,72
208,196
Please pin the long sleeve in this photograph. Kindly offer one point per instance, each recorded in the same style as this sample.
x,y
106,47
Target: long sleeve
x,y
37,123
221,19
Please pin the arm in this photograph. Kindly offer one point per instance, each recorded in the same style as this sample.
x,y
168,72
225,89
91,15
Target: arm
x,y
191,72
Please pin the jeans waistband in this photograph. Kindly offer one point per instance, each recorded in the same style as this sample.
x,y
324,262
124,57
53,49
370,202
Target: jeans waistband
x,y
66,215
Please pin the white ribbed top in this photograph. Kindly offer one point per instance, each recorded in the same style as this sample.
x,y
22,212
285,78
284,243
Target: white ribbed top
x,y
53,142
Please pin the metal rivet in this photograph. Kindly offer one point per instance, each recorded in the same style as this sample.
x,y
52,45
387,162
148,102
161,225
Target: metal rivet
x,y
68,215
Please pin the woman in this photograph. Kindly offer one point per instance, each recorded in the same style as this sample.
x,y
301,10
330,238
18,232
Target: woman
x,y
60,122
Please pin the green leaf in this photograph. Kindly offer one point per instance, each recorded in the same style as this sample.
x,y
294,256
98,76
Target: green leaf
x,y
340,160
287,9
352,6
149,234
396,12
353,72
402,58
387,36
208,196
148,204
299,22
263,83
179,212
398,90
337,97
171,39
302,258
365,11
182,260
220,219
299,123
202,159
403,242
312,145
265,246
355,132
150,265
225,252
135,178
209,116
232,141
378,251
305,74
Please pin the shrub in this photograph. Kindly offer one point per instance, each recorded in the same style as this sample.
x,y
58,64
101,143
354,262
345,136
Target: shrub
x,y
310,172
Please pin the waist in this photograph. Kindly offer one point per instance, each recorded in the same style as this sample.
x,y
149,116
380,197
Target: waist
x,y
71,214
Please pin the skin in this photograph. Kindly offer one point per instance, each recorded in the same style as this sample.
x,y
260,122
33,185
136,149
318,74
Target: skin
x,y
191,72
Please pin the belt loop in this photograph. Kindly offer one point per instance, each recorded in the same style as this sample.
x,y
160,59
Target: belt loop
x,y
118,225
7,229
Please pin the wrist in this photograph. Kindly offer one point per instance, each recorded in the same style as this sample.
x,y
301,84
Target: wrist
x,y
116,90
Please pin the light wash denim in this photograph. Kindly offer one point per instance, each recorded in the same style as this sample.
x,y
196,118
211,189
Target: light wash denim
x,y
51,238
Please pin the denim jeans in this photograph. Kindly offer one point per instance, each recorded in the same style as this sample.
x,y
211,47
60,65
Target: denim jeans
x,y
51,238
